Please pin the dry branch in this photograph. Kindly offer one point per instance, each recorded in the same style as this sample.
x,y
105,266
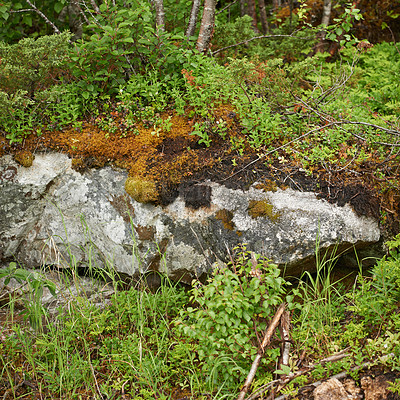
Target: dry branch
x,y
56,30
267,338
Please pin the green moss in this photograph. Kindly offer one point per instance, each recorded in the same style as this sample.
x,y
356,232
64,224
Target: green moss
x,y
24,158
261,208
225,216
141,190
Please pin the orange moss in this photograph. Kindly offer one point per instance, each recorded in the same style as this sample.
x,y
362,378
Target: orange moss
x,y
24,158
149,153
225,216
78,164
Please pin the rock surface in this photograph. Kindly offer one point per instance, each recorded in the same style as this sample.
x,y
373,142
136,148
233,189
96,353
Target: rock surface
x,y
52,214
332,389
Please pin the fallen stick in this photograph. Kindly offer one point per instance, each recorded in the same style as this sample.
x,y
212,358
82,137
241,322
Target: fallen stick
x,y
267,338
285,380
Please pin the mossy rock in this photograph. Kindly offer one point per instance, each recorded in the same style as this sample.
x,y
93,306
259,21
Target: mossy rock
x,y
261,208
24,158
142,190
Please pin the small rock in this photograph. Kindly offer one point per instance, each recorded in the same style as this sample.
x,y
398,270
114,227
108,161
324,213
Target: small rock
x,y
332,389
353,389
375,389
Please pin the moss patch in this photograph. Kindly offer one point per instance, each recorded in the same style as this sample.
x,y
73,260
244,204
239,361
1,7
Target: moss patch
x,y
24,158
141,190
261,208
267,186
225,216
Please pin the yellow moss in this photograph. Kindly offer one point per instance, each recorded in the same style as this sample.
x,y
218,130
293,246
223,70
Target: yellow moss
x,y
24,158
225,216
267,186
78,164
141,190
261,208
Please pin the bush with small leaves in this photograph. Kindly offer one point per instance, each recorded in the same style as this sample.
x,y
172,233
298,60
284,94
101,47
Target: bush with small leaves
x,y
233,310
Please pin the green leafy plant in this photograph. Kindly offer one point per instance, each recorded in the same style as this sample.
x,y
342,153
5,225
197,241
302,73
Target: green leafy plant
x,y
233,309
34,310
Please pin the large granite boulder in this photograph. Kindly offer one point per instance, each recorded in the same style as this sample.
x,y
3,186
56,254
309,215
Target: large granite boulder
x,y
52,214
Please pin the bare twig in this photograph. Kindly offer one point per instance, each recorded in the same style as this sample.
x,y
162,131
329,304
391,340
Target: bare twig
x,y
23,10
56,30
267,338
227,6
285,334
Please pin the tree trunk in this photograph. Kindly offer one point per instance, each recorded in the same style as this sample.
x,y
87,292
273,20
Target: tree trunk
x,y
160,15
251,10
242,8
193,18
326,16
263,16
207,26
276,4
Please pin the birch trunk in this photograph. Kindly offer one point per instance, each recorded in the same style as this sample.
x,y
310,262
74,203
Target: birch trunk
x,y
326,13
160,15
193,18
326,16
207,26
276,4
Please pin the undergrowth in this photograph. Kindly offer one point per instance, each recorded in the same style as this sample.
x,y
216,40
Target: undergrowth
x,y
200,342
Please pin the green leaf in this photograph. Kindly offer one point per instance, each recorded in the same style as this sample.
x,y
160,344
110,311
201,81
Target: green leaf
x,y
285,370
58,7
27,20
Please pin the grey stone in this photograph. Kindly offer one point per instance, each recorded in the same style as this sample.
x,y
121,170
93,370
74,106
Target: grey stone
x,y
51,214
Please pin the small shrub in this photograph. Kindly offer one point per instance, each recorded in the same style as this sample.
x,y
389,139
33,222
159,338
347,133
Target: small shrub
x,y
234,308
28,70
